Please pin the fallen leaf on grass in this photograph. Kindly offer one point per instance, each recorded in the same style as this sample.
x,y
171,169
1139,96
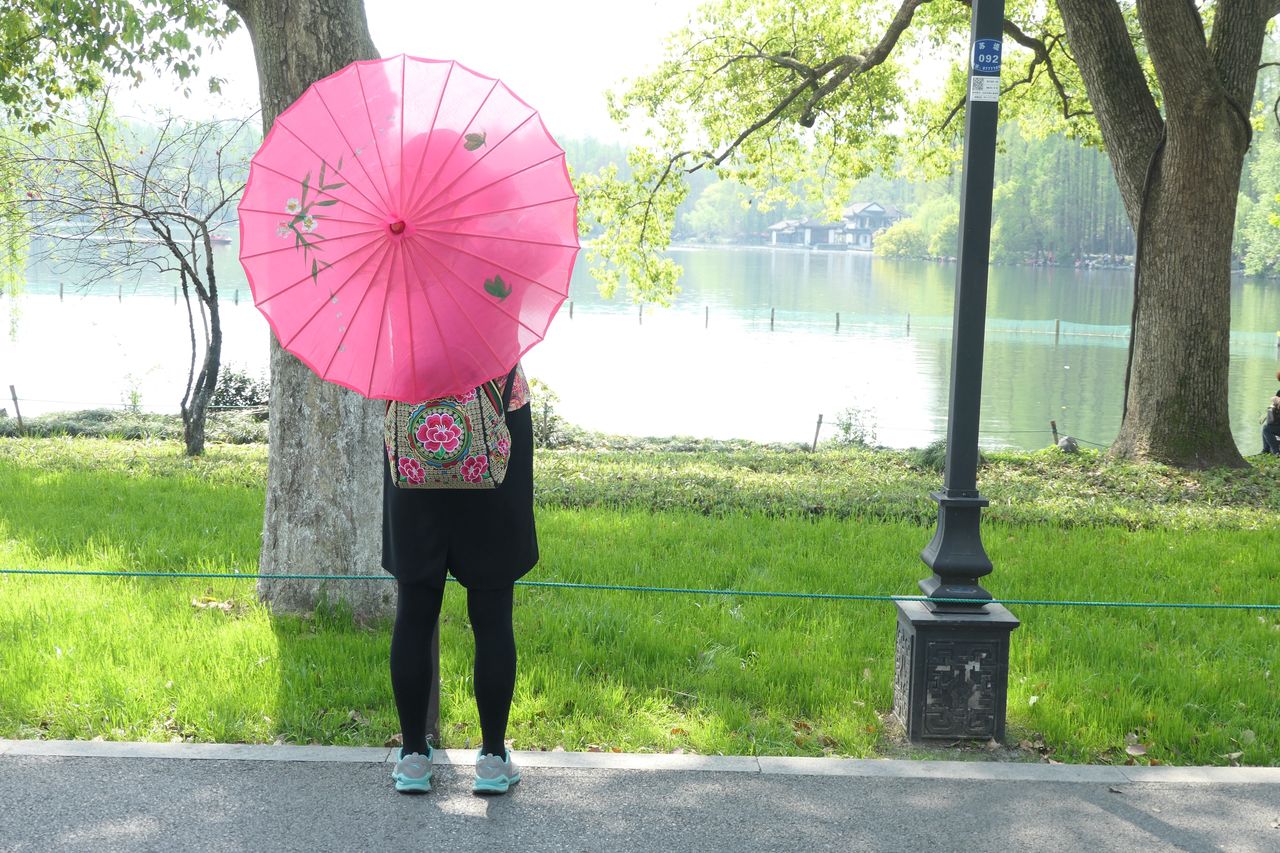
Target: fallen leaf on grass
x,y
396,739
801,726
1113,789
208,602
679,731
1136,749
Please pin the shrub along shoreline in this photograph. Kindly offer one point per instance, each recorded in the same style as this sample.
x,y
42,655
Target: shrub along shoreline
x,y
161,659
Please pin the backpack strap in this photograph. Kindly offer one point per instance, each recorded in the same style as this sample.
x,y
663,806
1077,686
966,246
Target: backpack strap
x,y
506,392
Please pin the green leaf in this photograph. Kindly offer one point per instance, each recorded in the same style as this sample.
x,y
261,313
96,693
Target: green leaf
x,y
328,187
474,141
315,271
326,202
497,287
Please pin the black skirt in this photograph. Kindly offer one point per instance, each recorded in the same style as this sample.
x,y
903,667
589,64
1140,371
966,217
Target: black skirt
x,y
484,537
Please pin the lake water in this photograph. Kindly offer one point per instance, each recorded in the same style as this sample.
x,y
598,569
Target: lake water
x,y
711,365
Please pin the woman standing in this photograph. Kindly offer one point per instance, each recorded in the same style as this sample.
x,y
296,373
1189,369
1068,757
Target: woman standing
x,y
1271,424
487,540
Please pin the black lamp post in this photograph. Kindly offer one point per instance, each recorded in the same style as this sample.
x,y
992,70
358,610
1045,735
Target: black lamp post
x,y
952,657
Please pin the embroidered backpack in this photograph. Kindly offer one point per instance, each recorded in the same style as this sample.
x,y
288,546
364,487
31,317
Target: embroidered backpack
x,y
459,442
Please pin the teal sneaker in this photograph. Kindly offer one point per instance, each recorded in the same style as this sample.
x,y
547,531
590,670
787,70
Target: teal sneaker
x,y
413,772
495,774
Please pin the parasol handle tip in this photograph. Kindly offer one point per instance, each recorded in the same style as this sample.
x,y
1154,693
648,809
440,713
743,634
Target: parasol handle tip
x,y
397,227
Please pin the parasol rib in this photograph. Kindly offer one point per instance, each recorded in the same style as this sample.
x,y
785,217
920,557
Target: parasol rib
x,y
435,321
499,306
325,304
291,248
413,188
377,147
453,149
494,183
386,248
504,209
382,319
336,170
466,316
408,313
352,149
500,237
494,263
404,62
489,149
324,217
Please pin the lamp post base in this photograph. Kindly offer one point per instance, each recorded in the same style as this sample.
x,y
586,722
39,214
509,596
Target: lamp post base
x,y
951,671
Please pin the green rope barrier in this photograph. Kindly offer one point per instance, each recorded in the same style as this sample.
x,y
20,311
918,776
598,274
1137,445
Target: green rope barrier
x,y
822,596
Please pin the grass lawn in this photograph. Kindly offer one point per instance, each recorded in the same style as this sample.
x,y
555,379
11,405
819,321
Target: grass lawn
x,y
195,659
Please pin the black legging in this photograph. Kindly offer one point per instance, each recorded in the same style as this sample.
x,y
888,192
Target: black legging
x,y
412,671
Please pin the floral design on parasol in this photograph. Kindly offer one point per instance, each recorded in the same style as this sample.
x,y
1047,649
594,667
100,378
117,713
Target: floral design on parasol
x,y
409,228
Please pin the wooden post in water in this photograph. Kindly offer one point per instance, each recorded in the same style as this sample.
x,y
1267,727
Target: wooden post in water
x,y
175,296
237,296
817,430
16,410
570,309
908,324
1053,425
641,314
771,310
1057,330
837,321
59,291
120,293
706,317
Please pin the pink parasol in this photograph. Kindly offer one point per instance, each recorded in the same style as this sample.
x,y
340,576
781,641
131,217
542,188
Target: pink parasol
x,y
408,228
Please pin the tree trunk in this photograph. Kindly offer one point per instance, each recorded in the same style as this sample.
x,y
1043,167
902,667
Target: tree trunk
x,y
1176,407
324,492
196,412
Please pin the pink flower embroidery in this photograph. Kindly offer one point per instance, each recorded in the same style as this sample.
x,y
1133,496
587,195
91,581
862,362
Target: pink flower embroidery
x,y
504,447
411,470
466,397
474,467
439,434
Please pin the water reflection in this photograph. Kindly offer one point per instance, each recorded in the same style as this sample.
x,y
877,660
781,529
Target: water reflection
x,y
711,365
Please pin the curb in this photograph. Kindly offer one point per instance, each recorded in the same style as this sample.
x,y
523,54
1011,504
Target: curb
x,y
766,765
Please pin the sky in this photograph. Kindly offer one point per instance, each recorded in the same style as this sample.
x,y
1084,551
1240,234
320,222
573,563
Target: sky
x,y
560,56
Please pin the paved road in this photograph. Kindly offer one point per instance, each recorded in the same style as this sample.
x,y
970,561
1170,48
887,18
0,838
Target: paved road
x,y
185,797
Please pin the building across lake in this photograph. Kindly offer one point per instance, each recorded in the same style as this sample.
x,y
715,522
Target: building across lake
x,y
856,229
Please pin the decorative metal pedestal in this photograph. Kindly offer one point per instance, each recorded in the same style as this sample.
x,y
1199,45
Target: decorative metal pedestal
x,y
952,671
